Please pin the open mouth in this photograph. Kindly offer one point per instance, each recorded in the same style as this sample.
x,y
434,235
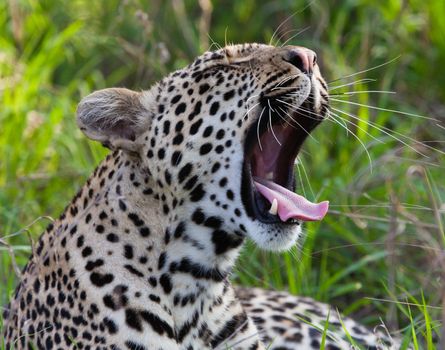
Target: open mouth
x,y
268,180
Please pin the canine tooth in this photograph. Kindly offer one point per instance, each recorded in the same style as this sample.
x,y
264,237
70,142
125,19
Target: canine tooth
x,y
269,175
274,207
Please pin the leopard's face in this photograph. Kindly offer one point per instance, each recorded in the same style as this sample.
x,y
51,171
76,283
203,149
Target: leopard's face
x,y
221,136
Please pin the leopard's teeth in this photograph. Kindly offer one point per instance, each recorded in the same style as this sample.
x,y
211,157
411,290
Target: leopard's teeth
x,y
269,175
274,207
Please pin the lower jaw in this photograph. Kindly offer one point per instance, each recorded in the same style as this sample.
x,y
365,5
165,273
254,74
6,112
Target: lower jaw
x,y
257,207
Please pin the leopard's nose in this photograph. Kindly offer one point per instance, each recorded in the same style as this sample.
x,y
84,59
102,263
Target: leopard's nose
x,y
302,58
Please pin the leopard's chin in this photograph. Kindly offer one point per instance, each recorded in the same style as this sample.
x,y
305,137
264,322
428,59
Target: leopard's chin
x,y
275,238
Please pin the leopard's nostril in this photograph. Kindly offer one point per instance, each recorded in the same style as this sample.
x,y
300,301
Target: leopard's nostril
x,y
302,58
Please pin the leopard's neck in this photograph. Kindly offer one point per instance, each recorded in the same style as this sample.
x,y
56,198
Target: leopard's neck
x,y
117,225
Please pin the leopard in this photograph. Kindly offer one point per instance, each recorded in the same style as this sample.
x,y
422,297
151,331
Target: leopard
x,y
142,257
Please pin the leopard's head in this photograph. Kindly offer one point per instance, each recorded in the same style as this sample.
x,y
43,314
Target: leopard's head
x,y
220,138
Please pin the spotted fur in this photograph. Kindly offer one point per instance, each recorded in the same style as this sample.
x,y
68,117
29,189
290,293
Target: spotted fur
x,y
141,258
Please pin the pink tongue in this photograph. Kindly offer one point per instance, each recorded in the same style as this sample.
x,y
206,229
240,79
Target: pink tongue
x,y
291,205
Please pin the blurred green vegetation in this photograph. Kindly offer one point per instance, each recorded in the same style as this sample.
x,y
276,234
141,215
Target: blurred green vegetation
x,y
380,251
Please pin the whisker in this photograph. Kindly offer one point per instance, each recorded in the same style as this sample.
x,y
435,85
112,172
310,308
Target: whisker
x,y
367,70
296,109
286,120
300,161
284,88
258,129
213,43
418,161
359,81
248,112
309,114
386,110
295,35
285,80
388,132
270,123
358,127
375,244
347,93
285,112
301,181
378,128
342,122
287,19
316,117
251,97
433,141
278,28
386,205
358,139
270,107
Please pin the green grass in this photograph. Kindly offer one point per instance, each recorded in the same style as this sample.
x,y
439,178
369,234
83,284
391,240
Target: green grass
x,y
378,254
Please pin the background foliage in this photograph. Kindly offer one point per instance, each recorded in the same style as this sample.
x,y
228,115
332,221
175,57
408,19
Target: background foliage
x,y
380,251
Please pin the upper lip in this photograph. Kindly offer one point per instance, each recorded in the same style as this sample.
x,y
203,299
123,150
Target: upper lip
x,y
293,133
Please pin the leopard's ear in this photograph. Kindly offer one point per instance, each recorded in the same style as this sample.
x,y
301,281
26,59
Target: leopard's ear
x,y
115,117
